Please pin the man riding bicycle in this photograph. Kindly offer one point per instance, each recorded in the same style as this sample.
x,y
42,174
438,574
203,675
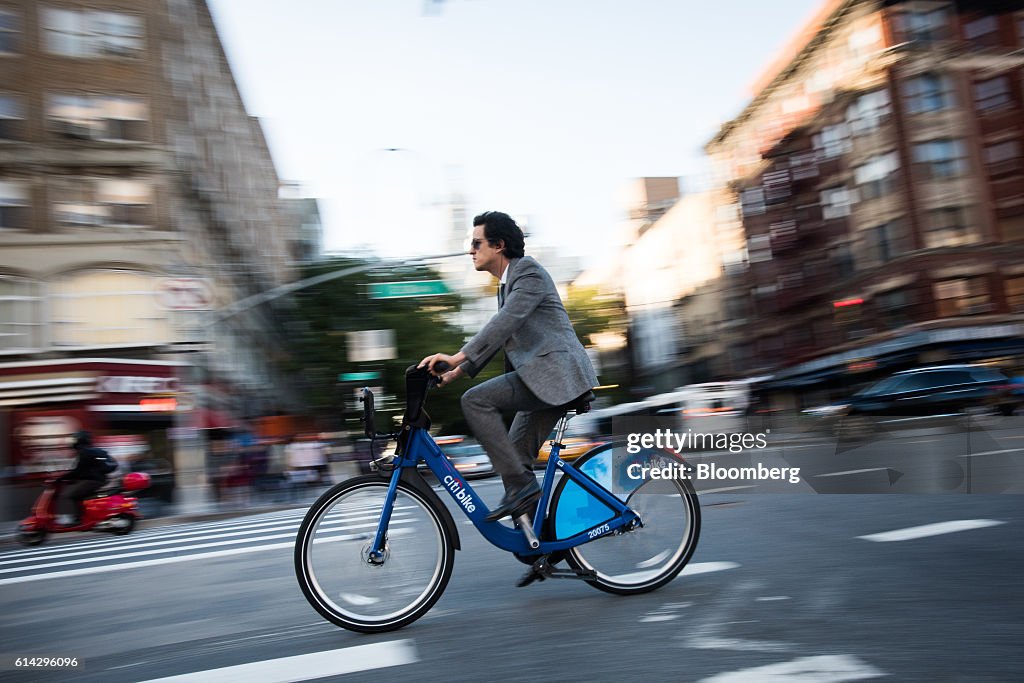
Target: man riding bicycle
x,y
545,364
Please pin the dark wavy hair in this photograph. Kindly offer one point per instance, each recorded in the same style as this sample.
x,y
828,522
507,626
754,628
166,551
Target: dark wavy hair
x,y
500,226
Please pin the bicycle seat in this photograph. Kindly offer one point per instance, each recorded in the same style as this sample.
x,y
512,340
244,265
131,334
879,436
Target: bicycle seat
x,y
581,404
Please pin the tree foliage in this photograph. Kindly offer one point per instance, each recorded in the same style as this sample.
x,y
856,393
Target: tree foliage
x,y
422,325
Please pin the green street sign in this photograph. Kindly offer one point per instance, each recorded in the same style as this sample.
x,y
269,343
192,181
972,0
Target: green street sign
x,y
400,290
358,376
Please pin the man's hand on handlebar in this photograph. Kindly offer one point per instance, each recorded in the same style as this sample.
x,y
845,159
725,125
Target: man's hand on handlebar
x,y
443,373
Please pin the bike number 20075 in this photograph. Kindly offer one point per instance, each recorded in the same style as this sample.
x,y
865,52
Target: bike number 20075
x,y
594,533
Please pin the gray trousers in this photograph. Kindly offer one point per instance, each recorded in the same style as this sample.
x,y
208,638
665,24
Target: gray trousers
x,y
512,452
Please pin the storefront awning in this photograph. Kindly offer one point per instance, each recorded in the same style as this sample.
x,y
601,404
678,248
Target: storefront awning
x,y
214,419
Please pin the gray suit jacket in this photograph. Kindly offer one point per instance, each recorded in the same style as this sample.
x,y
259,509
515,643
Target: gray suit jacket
x,y
538,338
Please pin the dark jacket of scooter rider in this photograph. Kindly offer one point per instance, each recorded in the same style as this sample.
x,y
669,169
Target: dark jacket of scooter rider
x,y
87,466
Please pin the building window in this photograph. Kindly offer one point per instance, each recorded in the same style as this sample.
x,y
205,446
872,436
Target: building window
x,y
983,32
10,33
877,177
837,202
85,33
832,141
103,117
993,94
783,235
1002,157
947,227
19,314
939,159
895,307
868,111
108,202
1015,294
752,201
14,206
803,165
923,25
928,93
759,248
885,241
11,118
107,308
841,261
962,296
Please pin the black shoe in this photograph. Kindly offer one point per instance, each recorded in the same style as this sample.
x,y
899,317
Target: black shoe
x,y
514,500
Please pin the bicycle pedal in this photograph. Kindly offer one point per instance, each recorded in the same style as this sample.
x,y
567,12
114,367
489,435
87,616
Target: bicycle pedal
x,y
528,578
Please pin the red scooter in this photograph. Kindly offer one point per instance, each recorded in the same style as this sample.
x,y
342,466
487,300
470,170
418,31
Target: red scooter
x,y
109,509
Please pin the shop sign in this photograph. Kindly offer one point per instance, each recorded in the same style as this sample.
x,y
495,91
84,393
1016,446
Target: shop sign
x,y
121,384
44,443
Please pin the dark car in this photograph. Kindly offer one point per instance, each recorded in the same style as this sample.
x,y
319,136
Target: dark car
x,y
939,390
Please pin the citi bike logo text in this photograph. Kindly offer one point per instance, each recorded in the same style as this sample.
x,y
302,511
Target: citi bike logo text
x,y
455,486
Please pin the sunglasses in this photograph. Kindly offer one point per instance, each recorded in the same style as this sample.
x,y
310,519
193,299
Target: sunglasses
x,y
475,244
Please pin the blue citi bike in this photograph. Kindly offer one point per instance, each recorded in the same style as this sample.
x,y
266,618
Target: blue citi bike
x,y
374,553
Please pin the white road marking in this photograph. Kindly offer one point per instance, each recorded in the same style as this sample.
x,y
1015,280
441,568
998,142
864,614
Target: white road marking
x,y
178,558
926,530
773,598
723,489
706,567
658,617
138,553
139,543
821,669
307,667
157,533
737,644
1004,450
843,474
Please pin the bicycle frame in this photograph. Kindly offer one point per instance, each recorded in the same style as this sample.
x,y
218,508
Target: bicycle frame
x,y
421,447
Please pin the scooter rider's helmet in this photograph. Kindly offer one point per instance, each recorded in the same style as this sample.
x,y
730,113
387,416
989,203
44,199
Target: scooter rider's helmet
x,y
82,439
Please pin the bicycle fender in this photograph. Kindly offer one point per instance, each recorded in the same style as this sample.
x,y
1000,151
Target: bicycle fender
x,y
415,480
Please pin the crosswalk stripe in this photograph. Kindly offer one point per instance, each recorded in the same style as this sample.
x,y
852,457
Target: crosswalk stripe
x,y
143,542
370,524
174,531
307,667
926,530
100,569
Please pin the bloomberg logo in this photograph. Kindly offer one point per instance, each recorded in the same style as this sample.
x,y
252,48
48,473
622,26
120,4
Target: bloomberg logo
x,y
459,493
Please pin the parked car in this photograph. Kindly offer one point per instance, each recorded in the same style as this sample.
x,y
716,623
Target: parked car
x,y
467,455
931,391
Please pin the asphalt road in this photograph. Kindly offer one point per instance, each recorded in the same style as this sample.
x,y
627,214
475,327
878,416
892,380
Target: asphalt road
x,y
783,586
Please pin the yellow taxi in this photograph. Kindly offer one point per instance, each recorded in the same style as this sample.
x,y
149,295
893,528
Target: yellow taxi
x,y
575,446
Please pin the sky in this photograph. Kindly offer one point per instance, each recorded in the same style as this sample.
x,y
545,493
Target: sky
x,y
545,109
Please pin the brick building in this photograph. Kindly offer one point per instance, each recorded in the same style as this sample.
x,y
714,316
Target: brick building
x,y
879,174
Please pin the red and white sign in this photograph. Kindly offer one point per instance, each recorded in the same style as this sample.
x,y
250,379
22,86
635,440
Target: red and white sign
x,y
124,384
185,294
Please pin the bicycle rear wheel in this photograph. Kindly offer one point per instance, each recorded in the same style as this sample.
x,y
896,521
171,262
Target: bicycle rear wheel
x,y
332,556
645,558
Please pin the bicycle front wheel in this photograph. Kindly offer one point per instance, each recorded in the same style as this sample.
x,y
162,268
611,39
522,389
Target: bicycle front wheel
x,y
643,559
332,560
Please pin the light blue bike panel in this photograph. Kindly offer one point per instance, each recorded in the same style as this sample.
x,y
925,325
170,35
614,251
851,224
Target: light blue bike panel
x,y
608,465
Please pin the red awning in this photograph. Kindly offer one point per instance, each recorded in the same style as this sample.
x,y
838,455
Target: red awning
x,y
214,419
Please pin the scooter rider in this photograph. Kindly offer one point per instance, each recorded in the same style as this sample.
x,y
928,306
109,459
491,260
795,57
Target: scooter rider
x,y
84,479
